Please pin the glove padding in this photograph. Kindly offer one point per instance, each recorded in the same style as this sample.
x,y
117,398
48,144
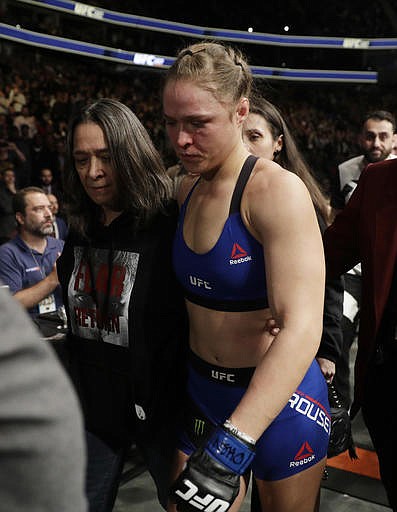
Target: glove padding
x,y
211,479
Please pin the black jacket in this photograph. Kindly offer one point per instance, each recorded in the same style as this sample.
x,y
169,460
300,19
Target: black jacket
x,y
127,326
332,336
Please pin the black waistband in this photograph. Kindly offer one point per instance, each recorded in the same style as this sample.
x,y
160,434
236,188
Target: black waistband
x,y
240,377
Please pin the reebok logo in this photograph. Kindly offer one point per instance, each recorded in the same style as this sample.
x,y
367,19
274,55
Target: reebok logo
x,y
238,252
304,451
304,455
238,255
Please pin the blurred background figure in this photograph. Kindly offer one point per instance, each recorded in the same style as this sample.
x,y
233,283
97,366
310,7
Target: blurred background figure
x,y
28,260
12,158
47,182
376,141
7,216
266,134
60,227
42,454
24,117
371,213
394,145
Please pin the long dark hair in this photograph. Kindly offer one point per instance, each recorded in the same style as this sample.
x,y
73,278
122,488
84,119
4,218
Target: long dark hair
x,y
143,185
289,156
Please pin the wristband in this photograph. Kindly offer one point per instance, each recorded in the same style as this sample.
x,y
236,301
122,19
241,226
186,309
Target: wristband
x,y
228,425
234,453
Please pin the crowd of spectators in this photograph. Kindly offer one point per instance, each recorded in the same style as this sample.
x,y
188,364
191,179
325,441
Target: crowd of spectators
x,y
40,90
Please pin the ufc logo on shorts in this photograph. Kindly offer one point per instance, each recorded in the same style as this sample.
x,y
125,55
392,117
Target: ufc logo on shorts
x,y
209,503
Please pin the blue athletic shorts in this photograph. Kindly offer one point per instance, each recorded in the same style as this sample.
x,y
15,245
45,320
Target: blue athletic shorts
x,y
296,439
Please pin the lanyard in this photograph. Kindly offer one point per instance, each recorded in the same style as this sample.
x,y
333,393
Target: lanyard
x,y
37,263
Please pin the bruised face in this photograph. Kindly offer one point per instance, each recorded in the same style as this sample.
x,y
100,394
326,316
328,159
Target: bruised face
x,y
202,130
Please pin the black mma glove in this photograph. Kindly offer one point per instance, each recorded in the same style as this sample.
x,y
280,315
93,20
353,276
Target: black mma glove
x,y
211,479
341,433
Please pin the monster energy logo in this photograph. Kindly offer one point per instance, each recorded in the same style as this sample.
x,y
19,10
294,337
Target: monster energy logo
x,y
199,426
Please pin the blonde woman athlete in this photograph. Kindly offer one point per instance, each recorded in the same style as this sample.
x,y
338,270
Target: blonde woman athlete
x,y
248,247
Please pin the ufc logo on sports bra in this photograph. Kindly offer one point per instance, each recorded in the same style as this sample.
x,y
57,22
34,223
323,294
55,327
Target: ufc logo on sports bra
x,y
208,503
200,283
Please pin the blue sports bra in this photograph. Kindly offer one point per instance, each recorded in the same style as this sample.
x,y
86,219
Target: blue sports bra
x,y
231,276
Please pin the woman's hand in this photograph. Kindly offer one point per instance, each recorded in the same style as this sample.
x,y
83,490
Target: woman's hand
x,y
271,327
327,368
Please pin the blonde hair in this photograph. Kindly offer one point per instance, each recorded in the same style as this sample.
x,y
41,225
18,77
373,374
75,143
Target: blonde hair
x,y
217,68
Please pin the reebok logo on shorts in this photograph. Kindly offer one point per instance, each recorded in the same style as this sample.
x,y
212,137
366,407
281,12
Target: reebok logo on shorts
x,y
238,255
303,456
304,451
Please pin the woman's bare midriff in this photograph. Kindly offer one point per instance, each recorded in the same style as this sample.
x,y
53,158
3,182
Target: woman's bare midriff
x,y
229,339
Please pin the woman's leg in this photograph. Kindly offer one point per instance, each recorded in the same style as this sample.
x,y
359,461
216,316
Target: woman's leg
x,y
104,467
298,493
379,413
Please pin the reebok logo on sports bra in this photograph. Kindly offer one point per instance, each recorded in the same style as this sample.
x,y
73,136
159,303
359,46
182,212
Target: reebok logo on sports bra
x,y
239,255
231,275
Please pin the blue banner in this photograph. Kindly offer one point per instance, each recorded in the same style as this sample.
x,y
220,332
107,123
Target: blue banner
x,y
118,18
49,42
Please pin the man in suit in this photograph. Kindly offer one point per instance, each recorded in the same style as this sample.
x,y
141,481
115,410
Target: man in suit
x,y
47,182
366,232
375,141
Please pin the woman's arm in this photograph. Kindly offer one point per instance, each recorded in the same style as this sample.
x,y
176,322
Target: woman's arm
x,y
280,213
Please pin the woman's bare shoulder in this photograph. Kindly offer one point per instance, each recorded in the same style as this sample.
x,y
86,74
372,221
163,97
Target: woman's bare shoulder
x,y
184,187
269,178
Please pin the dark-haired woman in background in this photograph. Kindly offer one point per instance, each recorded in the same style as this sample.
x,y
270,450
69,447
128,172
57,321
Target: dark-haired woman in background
x,y
267,134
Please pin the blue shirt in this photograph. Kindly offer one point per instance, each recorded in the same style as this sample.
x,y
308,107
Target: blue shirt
x,y
22,267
